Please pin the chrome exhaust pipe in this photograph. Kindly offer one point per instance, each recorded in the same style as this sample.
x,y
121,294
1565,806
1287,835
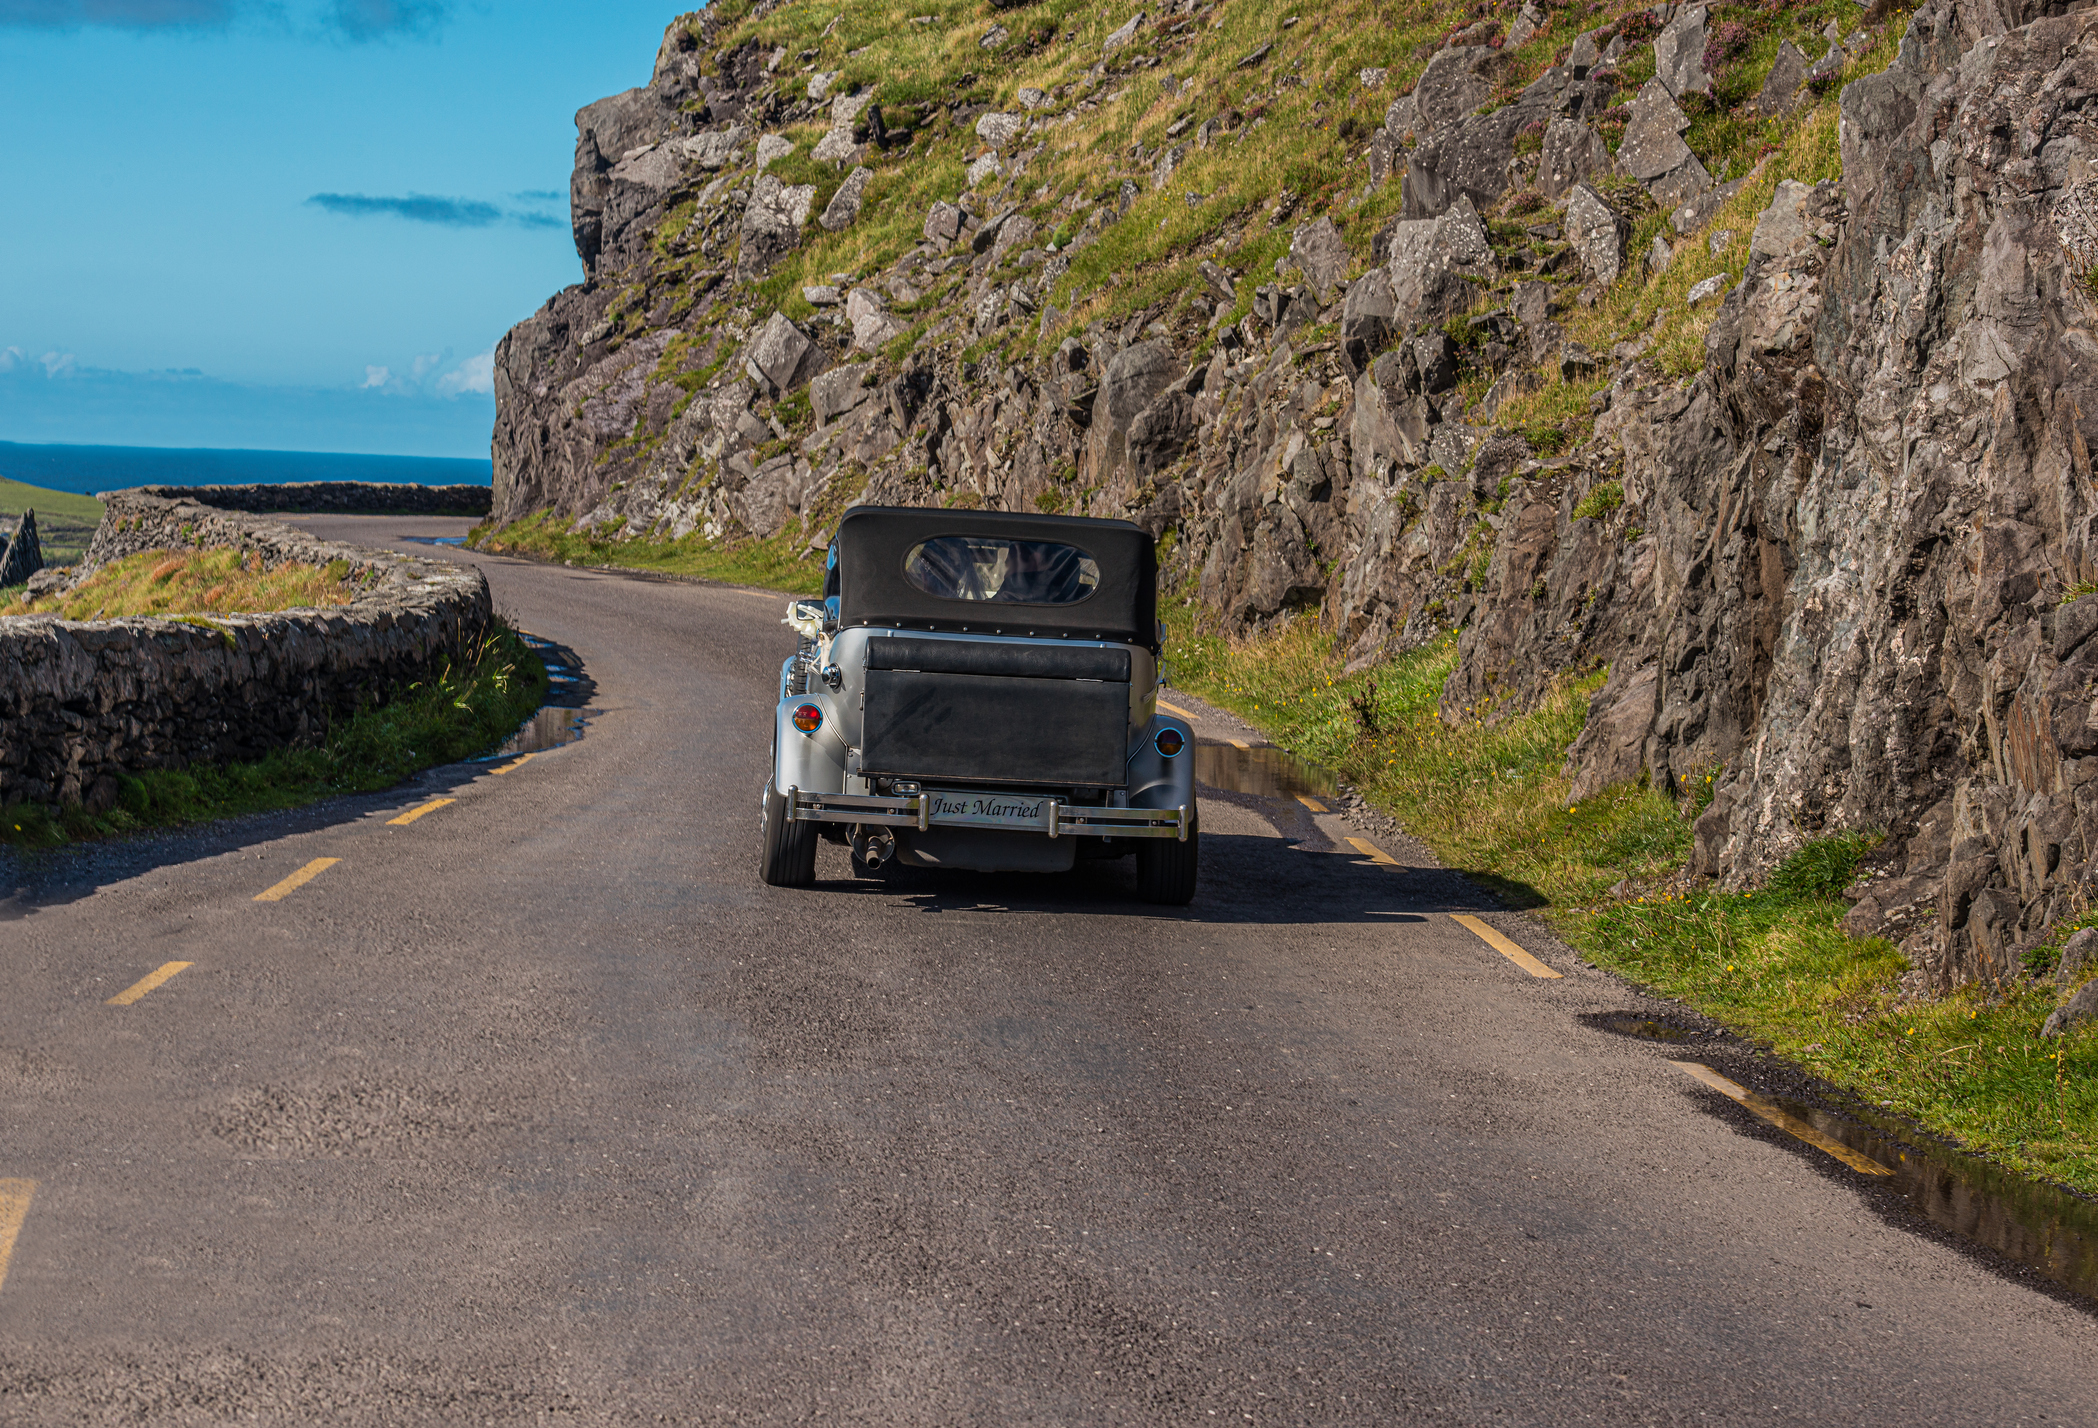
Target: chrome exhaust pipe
x,y
873,849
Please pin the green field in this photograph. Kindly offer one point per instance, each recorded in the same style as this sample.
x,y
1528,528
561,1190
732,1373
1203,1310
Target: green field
x,y
64,522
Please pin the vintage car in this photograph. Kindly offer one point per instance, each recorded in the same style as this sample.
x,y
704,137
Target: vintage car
x,y
979,690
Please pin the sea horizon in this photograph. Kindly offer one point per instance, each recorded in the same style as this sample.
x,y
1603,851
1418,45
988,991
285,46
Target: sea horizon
x,y
87,470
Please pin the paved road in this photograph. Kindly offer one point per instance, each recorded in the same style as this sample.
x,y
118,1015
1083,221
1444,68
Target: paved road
x,y
542,1108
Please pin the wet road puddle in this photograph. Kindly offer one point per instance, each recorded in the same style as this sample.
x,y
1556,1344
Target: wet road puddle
x,y
2044,1228
550,728
435,540
2038,1225
1263,772
1632,1024
558,722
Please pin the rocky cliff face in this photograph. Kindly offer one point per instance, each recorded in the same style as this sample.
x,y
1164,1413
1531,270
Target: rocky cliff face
x,y
1842,571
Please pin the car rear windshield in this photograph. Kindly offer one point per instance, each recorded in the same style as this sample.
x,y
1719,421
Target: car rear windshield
x,y
1001,571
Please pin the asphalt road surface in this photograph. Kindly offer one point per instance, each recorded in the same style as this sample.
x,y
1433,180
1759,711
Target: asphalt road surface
x,y
541,1108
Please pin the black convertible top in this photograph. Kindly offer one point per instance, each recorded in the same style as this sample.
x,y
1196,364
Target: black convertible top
x,y
874,541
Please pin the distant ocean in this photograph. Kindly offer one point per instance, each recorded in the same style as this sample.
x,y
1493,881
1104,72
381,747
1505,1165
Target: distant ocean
x,y
88,469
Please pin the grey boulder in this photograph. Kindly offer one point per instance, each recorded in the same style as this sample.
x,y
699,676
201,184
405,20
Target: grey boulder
x,y
2079,955
1452,86
1572,152
2073,1013
1679,53
1781,87
839,391
1430,260
1123,36
782,357
772,223
1598,233
1366,320
1320,253
871,323
998,130
943,223
844,205
1653,150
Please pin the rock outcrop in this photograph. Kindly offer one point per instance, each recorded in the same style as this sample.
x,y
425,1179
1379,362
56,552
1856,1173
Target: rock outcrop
x,y
1840,576
21,555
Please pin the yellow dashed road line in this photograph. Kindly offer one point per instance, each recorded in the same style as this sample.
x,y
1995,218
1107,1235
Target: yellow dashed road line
x,y
14,1208
1174,709
1502,945
1313,804
300,878
146,983
414,813
1238,743
1375,854
517,763
1784,1120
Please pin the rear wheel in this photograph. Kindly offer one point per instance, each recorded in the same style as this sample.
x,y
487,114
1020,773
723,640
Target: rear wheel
x,y
786,849
1165,867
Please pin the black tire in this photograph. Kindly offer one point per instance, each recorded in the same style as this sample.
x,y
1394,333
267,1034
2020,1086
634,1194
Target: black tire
x,y
1165,867
786,850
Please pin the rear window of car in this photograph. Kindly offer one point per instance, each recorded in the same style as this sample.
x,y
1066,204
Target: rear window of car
x,y
1000,571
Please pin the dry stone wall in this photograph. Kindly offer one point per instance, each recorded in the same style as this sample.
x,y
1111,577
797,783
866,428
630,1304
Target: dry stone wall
x,y
372,498
82,702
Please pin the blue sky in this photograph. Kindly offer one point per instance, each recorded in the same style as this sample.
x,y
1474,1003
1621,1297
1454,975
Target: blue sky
x,y
289,224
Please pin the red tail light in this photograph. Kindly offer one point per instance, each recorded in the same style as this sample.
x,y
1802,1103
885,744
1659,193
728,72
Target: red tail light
x,y
1171,742
808,718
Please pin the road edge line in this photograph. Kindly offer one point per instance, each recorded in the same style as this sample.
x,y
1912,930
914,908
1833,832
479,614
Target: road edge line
x,y
1783,1119
15,1196
1503,946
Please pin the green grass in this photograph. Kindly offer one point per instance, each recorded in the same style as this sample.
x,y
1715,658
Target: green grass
x,y
215,581
781,563
466,710
65,522
1773,964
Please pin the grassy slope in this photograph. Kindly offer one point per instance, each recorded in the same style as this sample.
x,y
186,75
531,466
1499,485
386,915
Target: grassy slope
x,y
175,583
65,522
1491,800
1306,121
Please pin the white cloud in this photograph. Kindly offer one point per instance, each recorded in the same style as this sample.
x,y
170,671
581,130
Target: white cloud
x,y
475,374
57,364
11,358
376,377
424,363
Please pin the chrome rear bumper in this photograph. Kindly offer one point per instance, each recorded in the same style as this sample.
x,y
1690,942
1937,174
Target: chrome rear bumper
x,y
963,808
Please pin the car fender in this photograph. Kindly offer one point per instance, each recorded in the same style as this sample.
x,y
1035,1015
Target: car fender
x,y
814,762
1156,781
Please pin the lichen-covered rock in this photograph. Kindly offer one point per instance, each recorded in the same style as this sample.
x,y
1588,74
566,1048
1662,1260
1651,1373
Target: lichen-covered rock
x,y
1598,233
844,205
1452,85
1573,152
1320,254
772,223
782,357
1430,260
1653,150
1781,86
1679,53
